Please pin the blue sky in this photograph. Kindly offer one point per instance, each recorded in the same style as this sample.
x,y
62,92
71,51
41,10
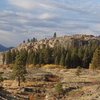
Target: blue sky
x,y
22,19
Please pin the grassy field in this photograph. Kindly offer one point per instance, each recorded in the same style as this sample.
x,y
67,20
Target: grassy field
x,y
41,83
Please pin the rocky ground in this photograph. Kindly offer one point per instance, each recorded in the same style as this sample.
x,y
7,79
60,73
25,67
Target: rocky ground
x,y
41,82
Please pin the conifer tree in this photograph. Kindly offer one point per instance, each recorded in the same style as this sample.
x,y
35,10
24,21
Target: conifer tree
x,y
55,35
30,57
62,60
40,57
80,54
85,60
28,40
56,60
47,55
57,54
19,69
74,58
13,56
36,58
24,55
67,60
96,59
8,57
3,58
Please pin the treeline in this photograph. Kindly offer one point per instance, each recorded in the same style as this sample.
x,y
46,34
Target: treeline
x,y
30,40
67,57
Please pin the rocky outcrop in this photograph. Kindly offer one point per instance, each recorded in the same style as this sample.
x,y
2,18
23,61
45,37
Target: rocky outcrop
x,y
65,41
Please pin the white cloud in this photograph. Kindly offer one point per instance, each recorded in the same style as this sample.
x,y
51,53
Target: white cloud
x,y
27,4
46,16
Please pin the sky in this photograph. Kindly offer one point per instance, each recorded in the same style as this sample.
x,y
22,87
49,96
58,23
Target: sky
x,y
23,19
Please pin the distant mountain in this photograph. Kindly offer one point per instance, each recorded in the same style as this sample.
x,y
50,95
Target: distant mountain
x,y
3,48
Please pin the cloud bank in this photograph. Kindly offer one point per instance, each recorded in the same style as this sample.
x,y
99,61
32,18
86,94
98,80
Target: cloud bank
x,y
22,19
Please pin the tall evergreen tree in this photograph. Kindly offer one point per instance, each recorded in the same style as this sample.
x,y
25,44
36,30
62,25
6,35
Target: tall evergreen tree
x,y
80,54
57,54
3,58
8,57
30,57
85,60
62,60
75,61
56,60
24,55
96,59
13,56
47,55
55,35
40,57
19,69
68,60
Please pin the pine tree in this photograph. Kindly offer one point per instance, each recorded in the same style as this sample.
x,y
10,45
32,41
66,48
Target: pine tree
x,y
30,57
36,58
56,60
67,60
55,35
19,69
40,57
13,56
57,54
85,60
96,59
3,58
47,55
24,41
80,54
24,55
75,61
28,40
8,57
62,60
34,39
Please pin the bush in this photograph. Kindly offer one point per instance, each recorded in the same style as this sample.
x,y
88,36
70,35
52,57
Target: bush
x,y
59,88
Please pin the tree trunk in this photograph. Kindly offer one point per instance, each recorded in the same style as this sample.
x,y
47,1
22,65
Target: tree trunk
x,y
19,81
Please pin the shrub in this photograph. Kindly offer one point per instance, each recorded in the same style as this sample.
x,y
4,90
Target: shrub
x,y
59,88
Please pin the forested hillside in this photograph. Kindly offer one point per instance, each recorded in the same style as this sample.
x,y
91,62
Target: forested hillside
x,y
67,51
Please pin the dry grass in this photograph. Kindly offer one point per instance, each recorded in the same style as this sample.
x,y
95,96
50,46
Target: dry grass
x,y
86,86
52,66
